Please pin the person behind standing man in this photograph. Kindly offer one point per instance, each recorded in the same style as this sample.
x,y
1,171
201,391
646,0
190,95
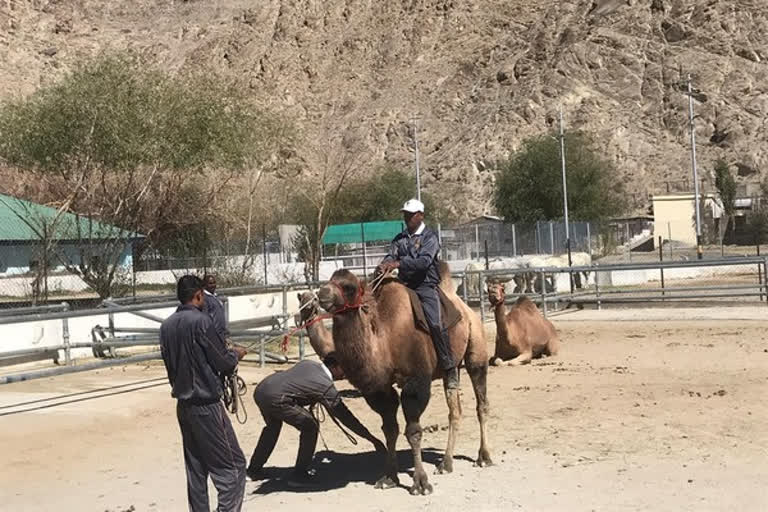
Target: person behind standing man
x,y
414,252
215,307
195,359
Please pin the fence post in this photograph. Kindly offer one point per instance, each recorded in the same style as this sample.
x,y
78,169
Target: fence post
x,y
597,287
365,254
765,273
482,304
464,288
262,353
225,300
111,320
301,345
669,237
629,242
543,293
486,254
514,242
264,251
285,307
589,242
65,336
551,238
661,269
538,238
760,270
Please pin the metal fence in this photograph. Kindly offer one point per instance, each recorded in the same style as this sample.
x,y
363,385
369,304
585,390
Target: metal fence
x,y
26,282
494,239
703,282
708,282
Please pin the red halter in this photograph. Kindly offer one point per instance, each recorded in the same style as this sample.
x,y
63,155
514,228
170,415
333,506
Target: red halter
x,y
358,302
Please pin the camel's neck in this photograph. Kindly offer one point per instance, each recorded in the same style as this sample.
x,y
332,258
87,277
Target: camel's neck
x,y
318,332
357,349
500,312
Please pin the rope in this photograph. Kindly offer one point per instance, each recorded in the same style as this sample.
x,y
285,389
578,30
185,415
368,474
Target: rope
x,y
318,412
356,304
234,390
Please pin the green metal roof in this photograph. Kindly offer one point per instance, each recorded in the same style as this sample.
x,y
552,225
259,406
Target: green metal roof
x,y
22,220
353,233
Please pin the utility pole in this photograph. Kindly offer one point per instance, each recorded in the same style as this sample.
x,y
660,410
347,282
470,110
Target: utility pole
x,y
416,154
565,196
692,127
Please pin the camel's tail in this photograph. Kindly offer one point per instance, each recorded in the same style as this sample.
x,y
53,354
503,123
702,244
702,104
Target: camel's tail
x,y
446,283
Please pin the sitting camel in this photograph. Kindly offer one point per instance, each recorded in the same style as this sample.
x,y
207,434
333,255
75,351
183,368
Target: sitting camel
x,y
521,334
378,345
319,336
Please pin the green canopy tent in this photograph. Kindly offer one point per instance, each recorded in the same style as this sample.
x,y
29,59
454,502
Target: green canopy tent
x,y
363,232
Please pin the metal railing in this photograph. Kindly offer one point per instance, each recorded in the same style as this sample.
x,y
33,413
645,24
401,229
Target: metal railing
x,y
739,278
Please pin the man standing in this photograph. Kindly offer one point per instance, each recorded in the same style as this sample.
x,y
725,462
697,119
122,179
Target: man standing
x,y
284,396
196,358
414,252
215,307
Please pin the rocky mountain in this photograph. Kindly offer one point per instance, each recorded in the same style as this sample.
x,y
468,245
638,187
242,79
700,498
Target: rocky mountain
x,y
477,75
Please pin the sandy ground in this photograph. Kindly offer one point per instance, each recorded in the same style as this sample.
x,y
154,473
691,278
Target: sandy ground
x,y
666,414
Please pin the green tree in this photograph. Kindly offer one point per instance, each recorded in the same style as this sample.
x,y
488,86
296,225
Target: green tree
x,y
529,184
381,194
121,140
726,189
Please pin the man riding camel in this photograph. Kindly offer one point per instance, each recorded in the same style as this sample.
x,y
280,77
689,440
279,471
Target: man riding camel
x,y
415,253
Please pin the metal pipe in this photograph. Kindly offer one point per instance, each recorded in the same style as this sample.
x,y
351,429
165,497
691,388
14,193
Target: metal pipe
x,y
142,314
67,345
543,293
34,309
656,298
50,372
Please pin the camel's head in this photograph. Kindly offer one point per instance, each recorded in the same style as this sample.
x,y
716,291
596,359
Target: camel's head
x,y
343,291
308,308
495,293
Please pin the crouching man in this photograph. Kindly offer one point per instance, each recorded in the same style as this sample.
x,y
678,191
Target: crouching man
x,y
286,397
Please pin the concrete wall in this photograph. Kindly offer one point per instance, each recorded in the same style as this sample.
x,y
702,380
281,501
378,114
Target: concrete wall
x,y
676,213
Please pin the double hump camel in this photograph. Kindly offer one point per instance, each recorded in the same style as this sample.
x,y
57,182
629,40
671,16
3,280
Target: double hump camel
x,y
378,345
522,333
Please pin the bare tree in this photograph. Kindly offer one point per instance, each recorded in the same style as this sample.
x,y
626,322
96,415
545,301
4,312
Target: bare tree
x,y
330,156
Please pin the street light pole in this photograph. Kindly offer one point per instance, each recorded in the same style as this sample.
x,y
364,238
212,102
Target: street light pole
x,y
416,154
692,126
565,196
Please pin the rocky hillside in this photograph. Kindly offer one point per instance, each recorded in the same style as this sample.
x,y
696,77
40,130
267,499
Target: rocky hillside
x,y
480,75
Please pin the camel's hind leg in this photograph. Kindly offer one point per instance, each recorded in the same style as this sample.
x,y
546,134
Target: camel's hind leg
x,y
478,374
454,418
385,403
476,361
415,397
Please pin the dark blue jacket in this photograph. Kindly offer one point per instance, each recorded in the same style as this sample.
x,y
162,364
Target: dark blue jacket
x,y
418,256
194,356
215,309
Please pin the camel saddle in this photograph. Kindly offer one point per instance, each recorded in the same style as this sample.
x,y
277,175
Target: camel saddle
x,y
449,314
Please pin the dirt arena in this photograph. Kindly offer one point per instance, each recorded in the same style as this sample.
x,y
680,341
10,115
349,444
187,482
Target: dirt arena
x,y
663,414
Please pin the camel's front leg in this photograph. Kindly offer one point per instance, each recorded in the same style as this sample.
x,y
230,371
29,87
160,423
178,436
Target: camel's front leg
x,y
415,397
385,403
523,358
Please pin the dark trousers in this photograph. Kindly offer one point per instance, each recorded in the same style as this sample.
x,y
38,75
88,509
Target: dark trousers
x,y
430,301
275,414
211,448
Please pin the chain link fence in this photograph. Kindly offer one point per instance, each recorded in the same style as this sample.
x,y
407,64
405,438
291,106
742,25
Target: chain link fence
x,y
30,275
